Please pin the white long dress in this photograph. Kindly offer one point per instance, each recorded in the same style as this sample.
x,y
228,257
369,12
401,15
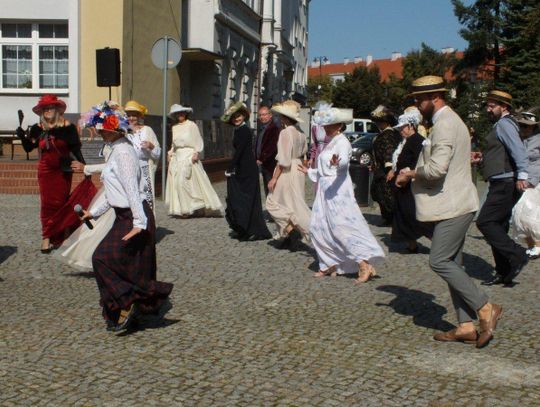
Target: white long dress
x,y
148,159
338,230
525,220
188,186
78,248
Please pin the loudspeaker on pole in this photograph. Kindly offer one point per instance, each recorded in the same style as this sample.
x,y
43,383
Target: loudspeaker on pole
x,y
108,67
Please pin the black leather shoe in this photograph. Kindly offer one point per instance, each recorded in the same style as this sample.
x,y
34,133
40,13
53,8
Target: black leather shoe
x,y
497,279
515,271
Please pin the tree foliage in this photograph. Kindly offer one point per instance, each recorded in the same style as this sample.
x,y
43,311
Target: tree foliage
x,y
319,88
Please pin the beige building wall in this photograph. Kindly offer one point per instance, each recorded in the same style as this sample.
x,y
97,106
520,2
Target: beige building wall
x,y
101,23
144,23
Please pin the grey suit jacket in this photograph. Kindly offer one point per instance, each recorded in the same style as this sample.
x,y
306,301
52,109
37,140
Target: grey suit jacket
x,y
443,187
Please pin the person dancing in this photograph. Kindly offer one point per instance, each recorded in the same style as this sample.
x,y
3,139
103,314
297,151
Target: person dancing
x,y
338,230
125,261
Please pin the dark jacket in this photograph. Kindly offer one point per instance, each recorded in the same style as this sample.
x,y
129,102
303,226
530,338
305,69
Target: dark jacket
x,y
269,147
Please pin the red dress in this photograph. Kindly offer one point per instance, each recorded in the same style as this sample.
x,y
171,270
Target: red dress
x,y
55,146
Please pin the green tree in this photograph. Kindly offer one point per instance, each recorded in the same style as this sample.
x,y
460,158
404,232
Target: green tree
x,y
361,90
319,88
521,40
426,61
482,30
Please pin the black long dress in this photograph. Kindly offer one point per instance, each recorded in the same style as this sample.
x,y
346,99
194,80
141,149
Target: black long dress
x,y
382,191
244,209
405,227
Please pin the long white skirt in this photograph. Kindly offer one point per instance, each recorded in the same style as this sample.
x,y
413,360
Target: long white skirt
x,y
188,187
338,230
526,216
78,249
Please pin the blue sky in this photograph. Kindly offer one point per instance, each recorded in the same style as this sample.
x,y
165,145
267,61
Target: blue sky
x,y
341,29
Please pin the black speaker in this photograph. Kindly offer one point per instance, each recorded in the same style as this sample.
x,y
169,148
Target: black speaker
x,y
108,67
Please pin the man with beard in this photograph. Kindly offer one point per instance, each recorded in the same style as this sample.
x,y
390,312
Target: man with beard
x,y
445,196
505,163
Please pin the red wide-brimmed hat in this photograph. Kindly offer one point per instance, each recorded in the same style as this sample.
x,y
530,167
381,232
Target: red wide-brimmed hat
x,y
49,100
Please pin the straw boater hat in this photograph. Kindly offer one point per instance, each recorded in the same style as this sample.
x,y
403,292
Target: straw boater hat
x,y
290,109
383,114
176,108
500,97
327,115
49,100
134,106
232,109
427,84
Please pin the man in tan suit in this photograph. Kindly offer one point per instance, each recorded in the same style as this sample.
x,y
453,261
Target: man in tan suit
x,y
446,197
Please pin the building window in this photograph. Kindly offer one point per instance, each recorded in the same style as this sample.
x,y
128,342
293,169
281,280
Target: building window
x,y
34,57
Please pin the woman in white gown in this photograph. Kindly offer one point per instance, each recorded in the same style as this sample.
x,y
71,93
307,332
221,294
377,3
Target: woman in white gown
x,y
188,188
286,201
146,145
338,230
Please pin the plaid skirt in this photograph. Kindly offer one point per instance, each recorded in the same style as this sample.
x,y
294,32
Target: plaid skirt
x,y
126,271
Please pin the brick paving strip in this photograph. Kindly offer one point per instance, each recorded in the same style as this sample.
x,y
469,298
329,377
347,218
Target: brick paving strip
x,y
250,326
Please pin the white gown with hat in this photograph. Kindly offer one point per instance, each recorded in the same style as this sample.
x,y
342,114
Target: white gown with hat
x,y
338,230
188,186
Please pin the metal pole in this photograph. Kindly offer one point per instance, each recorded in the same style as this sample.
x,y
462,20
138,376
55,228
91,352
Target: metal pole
x,y
164,123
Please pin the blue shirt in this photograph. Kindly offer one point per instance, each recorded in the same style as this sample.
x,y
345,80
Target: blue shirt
x,y
508,134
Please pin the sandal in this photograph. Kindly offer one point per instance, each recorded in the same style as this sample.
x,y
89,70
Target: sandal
x,y
366,272
331,271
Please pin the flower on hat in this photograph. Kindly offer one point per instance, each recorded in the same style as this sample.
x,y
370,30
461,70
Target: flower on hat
x,y
325,114
103,117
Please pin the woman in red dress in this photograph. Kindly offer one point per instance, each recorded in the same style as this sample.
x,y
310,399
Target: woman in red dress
x,y
57,140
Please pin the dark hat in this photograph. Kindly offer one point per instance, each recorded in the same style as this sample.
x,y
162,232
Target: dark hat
x,y
383,114
500,97
528,117
427,84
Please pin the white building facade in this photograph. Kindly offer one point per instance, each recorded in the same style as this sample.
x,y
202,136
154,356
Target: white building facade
x,y
249,50
35,47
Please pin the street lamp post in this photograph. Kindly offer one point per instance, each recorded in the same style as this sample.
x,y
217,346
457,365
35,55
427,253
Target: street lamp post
x,y
321,60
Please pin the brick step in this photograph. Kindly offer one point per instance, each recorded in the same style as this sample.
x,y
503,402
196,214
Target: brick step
x,y
18,174
18,166
19,190
18,182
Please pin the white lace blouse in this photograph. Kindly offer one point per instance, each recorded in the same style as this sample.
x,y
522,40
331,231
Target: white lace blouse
x,y
145,134
340,146
124,186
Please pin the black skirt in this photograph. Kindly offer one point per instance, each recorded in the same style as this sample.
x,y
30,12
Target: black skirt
x,y
126,271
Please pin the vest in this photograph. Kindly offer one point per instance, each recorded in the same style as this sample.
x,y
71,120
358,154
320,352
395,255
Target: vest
x,y
496,158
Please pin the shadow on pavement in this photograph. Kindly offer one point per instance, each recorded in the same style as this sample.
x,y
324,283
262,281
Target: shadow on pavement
x,y
417,304
477,267
162,232
372,219
148,323
6,252
84,274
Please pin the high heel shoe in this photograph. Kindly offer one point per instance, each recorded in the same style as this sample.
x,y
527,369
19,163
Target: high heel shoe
x,y
46,246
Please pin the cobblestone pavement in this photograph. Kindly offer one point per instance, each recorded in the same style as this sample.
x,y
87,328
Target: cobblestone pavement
x,y
250,326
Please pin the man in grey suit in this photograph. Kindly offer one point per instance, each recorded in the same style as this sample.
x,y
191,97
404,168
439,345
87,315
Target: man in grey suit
x,y
445,196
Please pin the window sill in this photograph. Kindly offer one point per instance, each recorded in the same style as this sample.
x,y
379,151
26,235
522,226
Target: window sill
x,y
33,92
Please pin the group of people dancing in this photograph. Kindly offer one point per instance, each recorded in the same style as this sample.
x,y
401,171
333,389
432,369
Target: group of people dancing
x,y
421,181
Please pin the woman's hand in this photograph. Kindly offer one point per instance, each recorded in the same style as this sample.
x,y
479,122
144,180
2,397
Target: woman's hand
x,y
77,166
390,175
147,145
302,168
85,215
272,184
195,157
334,161
132,232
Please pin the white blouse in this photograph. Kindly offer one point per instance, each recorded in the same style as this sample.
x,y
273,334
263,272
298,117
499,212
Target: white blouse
x,y
124,186
145,134
338,145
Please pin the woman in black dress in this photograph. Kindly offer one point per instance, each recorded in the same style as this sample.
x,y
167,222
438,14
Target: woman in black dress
x,y
384,145
405,227
244,208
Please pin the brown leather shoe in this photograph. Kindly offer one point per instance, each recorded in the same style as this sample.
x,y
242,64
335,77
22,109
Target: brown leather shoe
x,y
452,336
487,326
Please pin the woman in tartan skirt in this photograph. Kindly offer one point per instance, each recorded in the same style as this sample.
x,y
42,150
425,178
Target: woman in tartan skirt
x,y
125,261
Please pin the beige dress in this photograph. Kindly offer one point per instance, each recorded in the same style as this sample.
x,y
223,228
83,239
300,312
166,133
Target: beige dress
x,y
188,187
287,202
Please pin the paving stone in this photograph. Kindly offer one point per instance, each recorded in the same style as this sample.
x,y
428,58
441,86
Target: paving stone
x,y
250,326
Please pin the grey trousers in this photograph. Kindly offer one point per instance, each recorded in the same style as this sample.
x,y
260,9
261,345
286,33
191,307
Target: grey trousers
x,y
446,259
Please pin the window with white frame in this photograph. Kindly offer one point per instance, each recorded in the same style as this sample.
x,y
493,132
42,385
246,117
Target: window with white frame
x,y
34,56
